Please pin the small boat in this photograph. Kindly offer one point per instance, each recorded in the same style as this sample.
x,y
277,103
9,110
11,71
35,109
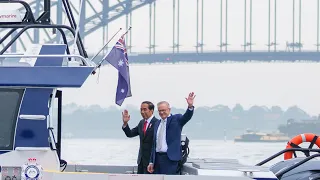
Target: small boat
x,y
297,126
30,85
253,136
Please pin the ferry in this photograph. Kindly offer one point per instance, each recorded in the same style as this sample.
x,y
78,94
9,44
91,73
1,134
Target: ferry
x,y
294,126
31,90
253,136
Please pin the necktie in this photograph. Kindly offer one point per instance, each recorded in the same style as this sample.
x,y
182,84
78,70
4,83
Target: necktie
x,y
160,137
145,127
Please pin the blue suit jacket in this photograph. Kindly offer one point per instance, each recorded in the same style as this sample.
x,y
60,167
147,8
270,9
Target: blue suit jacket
x,y
174,127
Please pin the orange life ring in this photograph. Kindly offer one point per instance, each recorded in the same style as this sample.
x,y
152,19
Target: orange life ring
x,y
306,137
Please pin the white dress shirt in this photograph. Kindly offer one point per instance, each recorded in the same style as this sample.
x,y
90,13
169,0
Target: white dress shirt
x,y
164,145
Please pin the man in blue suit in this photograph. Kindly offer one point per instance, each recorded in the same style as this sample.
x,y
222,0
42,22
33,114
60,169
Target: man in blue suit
x,y
166,150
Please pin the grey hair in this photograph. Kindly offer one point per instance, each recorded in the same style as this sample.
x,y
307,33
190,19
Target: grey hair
x,y
163,102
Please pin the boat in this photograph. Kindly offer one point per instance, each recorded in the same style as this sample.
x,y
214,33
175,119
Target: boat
x,y
294,126
253,136
31,94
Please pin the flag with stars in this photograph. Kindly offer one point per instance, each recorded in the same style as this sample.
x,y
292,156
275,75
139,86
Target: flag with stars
x,y
118,58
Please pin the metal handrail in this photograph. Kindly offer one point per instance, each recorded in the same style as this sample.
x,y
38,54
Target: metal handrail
x,y
87,63
287,150
280,173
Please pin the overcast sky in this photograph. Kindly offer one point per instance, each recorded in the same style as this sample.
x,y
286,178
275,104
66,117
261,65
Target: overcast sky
x,y
248,84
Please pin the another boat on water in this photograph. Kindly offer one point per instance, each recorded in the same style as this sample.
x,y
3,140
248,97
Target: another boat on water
x,y
297,126
254,136
30,85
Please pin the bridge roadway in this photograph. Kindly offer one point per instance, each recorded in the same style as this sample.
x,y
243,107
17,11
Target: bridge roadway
x,y
263,56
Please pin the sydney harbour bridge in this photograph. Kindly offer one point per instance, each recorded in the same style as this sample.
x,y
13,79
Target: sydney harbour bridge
x,y
105,12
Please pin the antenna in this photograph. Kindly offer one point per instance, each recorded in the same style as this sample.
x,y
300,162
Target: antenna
x,y
77,27
73,25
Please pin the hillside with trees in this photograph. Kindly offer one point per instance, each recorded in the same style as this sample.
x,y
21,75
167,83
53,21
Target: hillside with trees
x,y
207,122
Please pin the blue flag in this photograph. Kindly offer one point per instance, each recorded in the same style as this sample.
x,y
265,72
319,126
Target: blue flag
x,y
118,58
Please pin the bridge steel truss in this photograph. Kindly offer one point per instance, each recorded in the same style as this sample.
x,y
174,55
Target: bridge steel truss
x,y
102,17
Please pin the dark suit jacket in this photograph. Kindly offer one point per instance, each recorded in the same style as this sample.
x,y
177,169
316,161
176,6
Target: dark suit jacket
x,y
174,127
146,141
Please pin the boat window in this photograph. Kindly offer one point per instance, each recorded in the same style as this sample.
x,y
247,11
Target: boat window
x,y
9,107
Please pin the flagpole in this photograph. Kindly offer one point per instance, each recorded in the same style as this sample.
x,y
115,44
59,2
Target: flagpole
x,y
127,31
99,64
105,45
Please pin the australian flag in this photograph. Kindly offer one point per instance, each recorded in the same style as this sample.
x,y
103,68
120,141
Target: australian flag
x,y
118,58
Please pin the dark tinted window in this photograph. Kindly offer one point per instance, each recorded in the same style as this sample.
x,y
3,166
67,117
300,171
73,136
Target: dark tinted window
x,y
9,107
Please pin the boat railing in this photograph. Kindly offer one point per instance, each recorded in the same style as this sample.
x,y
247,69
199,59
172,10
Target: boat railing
x,y
38,26
307,151
28,18
280,173
86,61
304,150
43,22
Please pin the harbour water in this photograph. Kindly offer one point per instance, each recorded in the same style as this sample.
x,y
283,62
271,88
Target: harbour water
x,y
124,151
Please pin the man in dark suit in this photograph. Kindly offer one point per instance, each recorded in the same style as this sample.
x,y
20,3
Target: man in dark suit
x,y
145,131
166,149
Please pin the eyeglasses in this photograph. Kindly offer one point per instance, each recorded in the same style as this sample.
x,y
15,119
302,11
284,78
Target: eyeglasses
x,y
162,110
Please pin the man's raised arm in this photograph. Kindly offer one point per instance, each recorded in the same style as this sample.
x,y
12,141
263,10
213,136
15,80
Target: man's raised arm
x,y
189,113
125,127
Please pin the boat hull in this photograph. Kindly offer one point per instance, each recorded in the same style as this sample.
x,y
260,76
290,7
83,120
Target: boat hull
x,y
102,176
198,169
